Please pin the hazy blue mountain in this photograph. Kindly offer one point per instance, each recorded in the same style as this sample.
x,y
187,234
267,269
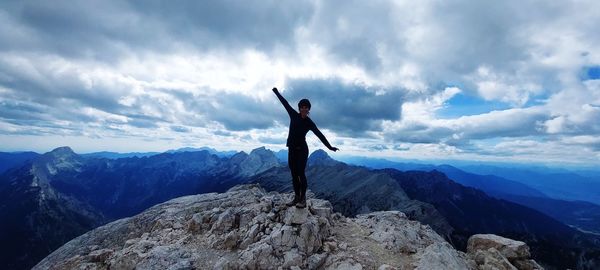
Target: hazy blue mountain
x,y
282,155
204,148
594,174
12,159
584,216
115,155
470,211
563,185
578,214
380,163
490,184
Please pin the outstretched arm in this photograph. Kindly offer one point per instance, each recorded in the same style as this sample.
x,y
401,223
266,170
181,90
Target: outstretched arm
x,y
321,137
287,106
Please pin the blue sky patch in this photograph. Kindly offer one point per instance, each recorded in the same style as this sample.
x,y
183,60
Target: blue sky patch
x,y
462,105
591,73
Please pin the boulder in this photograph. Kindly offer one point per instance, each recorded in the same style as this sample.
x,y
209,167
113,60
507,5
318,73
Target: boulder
x,y
491,251
511,249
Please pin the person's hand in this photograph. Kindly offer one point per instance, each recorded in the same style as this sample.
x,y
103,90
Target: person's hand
x,y
275,89
334,149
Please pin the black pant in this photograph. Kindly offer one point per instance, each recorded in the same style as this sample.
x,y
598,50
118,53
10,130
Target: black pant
x,y
297,157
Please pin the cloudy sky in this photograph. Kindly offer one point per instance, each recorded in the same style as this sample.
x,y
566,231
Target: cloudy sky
x,y
475,80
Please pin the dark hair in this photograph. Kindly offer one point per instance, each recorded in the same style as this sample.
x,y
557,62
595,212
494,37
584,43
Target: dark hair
x,y
304,102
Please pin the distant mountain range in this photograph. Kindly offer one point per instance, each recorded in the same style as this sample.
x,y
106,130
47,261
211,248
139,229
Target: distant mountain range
x,y
581,215
115,155
10,160
562,185
452,209
51,198
59,195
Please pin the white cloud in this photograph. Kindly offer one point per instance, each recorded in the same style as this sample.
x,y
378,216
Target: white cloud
x,y
506,88
168,71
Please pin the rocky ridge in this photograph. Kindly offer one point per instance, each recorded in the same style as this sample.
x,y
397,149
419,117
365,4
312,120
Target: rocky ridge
x,y
249,228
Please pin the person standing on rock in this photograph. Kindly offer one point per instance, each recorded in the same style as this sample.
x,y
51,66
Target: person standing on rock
x,y
300,124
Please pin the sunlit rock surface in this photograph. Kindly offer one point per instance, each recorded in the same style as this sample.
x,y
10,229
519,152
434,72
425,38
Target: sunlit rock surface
x,y
248,228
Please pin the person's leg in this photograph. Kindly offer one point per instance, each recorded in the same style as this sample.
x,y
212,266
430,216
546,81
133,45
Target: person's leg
x,y
293,165
303,184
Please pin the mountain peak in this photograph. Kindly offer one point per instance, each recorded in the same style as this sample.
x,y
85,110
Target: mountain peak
x,y
62,151
260,150
259,160
253,229
320,157
59,159
263,153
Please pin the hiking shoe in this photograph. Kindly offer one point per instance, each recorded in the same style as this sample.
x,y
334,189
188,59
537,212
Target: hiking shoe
x,y
292,202
301,204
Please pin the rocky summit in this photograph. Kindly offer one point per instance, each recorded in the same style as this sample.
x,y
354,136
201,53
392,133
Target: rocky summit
x,y
249,228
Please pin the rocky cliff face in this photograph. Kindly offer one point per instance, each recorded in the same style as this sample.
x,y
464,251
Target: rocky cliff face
x,y
248,228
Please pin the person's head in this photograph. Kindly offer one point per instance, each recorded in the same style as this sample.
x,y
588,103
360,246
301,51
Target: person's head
x,y
304,107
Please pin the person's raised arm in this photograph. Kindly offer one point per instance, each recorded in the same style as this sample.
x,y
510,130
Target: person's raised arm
x,y
286,105
321,137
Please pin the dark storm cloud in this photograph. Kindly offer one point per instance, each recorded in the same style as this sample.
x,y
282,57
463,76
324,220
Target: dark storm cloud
x,y
106,30
346,108
29,100
236,112
51,84
229,23
349,109
19,110
354,32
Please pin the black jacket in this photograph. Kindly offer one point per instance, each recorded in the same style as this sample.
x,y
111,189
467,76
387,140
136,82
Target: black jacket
x,y
300,126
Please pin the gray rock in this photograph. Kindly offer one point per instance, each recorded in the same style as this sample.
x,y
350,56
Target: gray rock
x,y
224,264
527,265
225,222
230,241
292,258
342,263
296,215
511,249
386,267
441,255
250,236
322,209
259,256
316,260
397,233
100,256
283,238
492,259
310,237
495,252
